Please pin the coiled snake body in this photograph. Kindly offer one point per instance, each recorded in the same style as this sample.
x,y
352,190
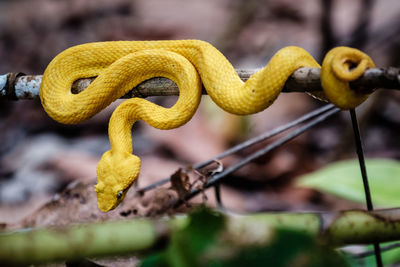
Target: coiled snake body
x,y
121,65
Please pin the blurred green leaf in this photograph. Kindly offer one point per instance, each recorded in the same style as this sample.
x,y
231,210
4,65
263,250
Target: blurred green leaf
x,y
289,248
186,247
389,257
343,179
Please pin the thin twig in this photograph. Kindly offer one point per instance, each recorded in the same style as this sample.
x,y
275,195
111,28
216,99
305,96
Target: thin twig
x,y
363,169
217,191
372,252
360,154
219,176
267,135
248,143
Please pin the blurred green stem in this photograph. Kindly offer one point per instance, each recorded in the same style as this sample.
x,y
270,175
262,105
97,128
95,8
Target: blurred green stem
x,y
141,235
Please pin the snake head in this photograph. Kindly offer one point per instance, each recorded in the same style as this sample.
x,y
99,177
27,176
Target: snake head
x,y
116,172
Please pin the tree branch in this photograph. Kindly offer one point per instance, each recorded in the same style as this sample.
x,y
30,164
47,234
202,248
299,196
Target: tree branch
x,y
14,86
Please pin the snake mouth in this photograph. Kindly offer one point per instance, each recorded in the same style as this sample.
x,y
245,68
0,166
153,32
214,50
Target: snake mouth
x,y
107,206
107,200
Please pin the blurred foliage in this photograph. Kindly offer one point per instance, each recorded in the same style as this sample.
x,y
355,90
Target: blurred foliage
x,y
389,258
186,246
343,179
200,244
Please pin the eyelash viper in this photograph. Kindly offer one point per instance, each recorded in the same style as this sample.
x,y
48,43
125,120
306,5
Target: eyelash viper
x,y
121,65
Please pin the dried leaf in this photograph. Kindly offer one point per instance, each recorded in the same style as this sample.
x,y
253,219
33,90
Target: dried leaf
x,y
180,183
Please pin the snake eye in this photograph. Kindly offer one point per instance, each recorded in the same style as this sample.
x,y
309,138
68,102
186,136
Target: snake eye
x,y
120,193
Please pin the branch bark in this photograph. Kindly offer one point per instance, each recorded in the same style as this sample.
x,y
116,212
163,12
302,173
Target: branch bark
x,y
143,235
17,86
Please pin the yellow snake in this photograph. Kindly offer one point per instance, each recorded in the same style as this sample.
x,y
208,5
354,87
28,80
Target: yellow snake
x,y
121,65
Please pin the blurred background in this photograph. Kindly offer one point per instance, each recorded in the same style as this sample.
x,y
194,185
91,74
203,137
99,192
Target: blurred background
x,y
40,158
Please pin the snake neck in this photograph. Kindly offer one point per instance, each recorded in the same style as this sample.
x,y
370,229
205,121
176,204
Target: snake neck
x,y
119,128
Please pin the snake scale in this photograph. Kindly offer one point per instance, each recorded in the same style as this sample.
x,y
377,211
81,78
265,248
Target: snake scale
x,y
121,65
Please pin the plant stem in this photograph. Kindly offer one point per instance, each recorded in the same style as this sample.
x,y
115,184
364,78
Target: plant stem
x,y
143,235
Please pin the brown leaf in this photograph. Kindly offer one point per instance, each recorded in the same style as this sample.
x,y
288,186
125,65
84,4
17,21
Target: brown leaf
x,y
180,183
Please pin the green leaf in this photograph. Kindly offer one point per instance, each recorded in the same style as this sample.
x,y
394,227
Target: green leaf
x,y
389,257
343,179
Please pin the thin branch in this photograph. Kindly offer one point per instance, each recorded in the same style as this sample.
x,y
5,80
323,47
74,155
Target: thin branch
x,y
248,143
216,178
372,252
360,154
17,86
323,113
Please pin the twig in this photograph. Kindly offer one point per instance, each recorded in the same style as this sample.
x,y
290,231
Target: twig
x,y
372,252
17,86
219,176
361,160
248,143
